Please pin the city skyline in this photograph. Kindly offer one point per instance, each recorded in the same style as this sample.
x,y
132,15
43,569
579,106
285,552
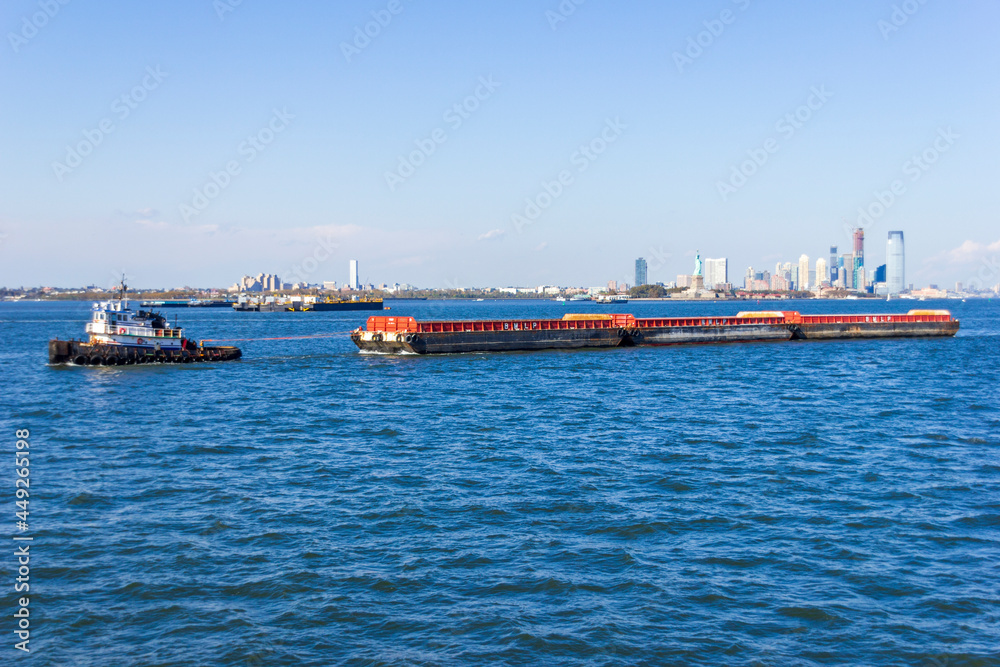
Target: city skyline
x,y
789,275
554,150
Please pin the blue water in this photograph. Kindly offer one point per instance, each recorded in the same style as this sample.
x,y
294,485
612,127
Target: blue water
x,y
800,503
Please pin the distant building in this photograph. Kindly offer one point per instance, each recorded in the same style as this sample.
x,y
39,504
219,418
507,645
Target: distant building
x,y
834,273
640,272
895,263
330,284
931,292
613,286
821,273
804,272
847,263
264,282
354,283
685,281
859,259
879,275
716,272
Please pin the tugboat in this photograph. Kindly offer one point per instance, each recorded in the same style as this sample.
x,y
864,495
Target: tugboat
x,y
119,336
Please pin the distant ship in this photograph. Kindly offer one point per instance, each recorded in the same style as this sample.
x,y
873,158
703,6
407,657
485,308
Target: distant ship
x,y
187,303
612,298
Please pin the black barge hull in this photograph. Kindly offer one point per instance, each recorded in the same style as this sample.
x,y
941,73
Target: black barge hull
x,y
309,307
835,331
87,354
494,341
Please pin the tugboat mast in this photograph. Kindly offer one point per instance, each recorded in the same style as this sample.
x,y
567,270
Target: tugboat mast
x,y
122,290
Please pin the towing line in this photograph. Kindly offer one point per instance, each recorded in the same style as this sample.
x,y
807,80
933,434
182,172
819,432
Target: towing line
x,y
233,340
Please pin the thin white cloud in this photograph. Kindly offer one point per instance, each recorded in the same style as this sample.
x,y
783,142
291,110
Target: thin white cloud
x,y
492,234
967,253
160,225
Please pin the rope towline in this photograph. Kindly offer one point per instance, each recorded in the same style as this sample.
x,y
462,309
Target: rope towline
x,y
234,340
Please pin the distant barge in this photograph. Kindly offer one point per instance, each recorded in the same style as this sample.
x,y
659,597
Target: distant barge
x,y
306,305
395,335
187,303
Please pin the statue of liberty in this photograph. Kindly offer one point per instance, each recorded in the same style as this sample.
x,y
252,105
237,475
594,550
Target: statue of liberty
x,y
697,263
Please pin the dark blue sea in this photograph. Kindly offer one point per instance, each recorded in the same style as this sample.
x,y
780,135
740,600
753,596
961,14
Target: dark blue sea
x,y
810,503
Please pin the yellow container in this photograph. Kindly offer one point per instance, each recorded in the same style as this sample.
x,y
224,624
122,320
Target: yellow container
x,y
576,317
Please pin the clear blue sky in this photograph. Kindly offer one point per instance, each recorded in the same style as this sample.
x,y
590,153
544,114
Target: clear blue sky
x,y
319,189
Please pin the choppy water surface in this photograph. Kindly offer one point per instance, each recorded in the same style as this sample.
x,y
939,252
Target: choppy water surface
x,y
808,503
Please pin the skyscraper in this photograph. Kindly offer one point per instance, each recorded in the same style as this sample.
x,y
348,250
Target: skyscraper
x,y
822,275
354,283
833,264
895,263
640,272
716,272
804,272
857,280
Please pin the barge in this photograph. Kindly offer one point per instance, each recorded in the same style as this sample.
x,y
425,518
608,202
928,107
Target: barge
x,y
187,303
298,305
405,335
118,337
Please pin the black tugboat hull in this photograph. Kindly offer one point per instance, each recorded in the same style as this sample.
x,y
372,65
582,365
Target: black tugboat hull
x,y
87,354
